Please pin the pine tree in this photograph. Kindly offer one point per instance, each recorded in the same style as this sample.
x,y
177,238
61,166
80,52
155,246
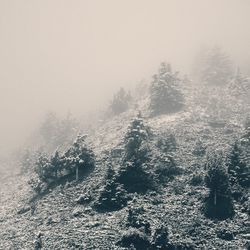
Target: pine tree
x,y
56,164
133,173
136,135
165,95
236,164
79,157
219,201
113,196
44,169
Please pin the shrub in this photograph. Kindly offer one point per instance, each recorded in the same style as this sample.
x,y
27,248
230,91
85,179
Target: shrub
x,y
225,234
218,204
236,164
196,179
44,169
161,238
167,143
238,159
113,196
135,178
78,159
166,168
136,219
134,238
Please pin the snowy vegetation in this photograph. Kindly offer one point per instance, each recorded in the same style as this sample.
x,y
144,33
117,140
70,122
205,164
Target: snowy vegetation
x,y
120,102
165,94
142,180
214,67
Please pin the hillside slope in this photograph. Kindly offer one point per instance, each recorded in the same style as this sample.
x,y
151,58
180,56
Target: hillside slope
x,y
65,224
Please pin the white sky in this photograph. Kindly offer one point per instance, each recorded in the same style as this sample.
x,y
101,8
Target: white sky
x,y
71,55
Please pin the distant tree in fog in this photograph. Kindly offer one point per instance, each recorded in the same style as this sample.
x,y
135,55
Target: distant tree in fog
x,y
120,102
56,131
165,94
239,85
214,67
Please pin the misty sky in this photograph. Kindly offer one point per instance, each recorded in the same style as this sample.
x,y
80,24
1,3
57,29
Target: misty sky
x,y
72,55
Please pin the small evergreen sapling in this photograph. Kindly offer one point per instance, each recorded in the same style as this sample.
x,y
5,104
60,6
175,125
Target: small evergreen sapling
x,y
56,164
134,174
219,201
236,164
136,135
239,159
113,196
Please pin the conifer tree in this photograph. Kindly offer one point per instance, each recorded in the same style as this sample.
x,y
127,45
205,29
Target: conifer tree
x,y
136,135
44,169
134,174
79,157
236,164
120,102
219,201
165,94
113,196
56,163
216,69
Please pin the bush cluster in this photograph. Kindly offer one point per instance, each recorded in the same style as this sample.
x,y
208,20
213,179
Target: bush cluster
x,y
75,161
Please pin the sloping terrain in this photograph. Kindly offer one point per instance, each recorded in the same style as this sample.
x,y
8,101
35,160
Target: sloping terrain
x,y
65,224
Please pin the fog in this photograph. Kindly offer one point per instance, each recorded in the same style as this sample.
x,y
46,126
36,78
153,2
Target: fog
x,y
73,55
